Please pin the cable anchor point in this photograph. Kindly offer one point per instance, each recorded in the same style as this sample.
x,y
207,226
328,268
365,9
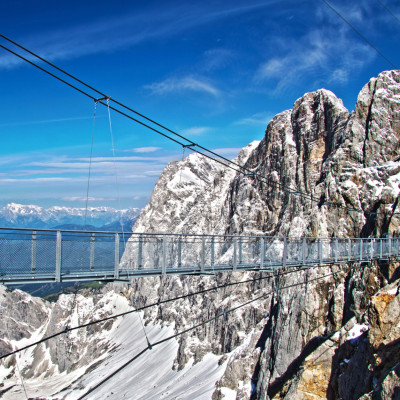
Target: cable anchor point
x,y
107,98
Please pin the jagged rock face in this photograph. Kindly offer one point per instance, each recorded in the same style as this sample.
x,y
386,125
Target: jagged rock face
x,y
339,161
187,189
322,151
347,166
20,317
55,363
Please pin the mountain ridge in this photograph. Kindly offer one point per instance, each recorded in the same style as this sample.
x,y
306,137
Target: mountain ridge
x,y
33,216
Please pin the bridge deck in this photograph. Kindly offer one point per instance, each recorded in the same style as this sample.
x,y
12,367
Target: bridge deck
x,y
29,255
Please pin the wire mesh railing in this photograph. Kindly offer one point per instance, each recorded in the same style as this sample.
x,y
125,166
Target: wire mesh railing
x,y
28,255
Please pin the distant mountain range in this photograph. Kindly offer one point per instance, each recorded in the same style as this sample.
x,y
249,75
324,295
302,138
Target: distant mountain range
x,y
98,218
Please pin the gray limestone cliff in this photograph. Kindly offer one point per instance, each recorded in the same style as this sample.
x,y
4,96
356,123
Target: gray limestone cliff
x,y
325,172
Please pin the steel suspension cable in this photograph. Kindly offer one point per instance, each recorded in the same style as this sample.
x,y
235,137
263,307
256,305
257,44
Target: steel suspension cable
x,y
203,323
90,162
200,292
389,11
191,145
358,32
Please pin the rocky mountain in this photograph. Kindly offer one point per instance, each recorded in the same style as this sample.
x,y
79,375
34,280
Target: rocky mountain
x,y
324,332
31,216
325,172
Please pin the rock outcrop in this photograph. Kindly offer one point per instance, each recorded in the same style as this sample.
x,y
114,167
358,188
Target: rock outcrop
x,y
322,172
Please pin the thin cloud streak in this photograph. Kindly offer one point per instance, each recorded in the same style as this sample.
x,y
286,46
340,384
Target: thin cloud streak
x,y
196,130
82,199
148,149
178,85
327,54
124,31
45,121
258,119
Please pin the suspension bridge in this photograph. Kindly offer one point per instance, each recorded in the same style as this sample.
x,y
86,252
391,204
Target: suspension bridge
x,y
34,255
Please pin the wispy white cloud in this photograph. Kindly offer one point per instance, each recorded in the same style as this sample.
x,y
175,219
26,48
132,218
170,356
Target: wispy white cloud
x,y
217,58
184,84
38,180
113,33
90,198
149,149
324,55
258,119
196,130
45,121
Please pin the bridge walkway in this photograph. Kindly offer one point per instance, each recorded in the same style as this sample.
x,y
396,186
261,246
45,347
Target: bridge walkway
x,y
38,255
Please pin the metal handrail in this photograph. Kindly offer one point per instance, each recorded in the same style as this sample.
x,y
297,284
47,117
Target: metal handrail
x,y
58,255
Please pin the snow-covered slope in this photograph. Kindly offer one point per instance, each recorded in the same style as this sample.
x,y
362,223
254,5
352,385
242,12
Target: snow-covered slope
x,y
69,365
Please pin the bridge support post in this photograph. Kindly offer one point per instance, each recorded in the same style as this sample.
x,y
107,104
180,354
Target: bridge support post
x,y
164,256
140,251
33,253
116,257
303,251
262,252
284,255
203,254
361,249
336,249
92,252
371,249
212,251
180,252
380,248
58,257
348,250
320,252
235,245
390,246
240,251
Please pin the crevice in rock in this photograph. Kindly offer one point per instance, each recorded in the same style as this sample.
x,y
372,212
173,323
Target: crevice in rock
x,y
266,333
277,385
367,125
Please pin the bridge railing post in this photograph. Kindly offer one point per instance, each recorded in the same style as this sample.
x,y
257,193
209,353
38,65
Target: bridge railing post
x,y
240,251
336,250
235,245
212,251
203,254
140,252
92,242
380,248
58,257
320,251
164,255
390,246
262,252
285,251
179,250
361,249
116,256
303,251
371,248
349,249
33,253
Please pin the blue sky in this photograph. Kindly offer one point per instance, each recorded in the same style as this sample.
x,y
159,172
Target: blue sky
x,y
215,71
